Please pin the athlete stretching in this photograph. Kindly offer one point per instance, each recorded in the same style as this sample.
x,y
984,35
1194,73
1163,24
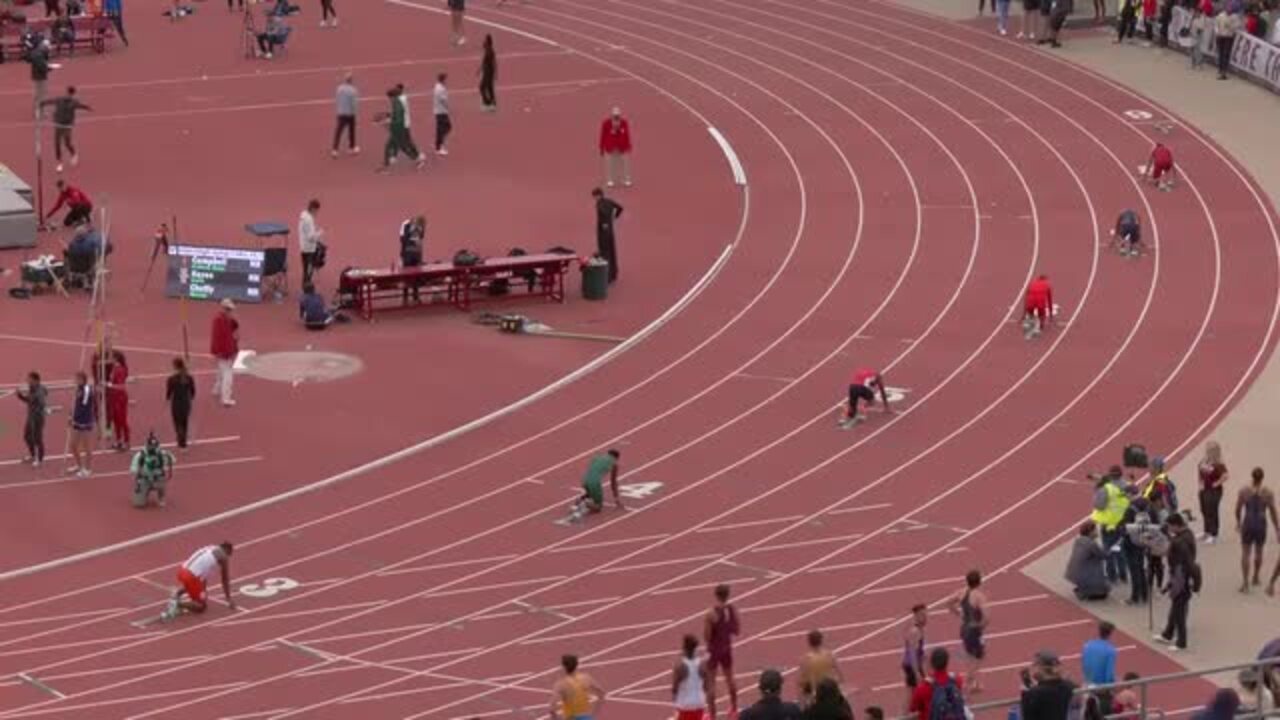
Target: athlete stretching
x,y
864,386
193,579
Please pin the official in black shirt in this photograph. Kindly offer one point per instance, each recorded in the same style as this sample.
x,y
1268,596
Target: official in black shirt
x,y
606,212
413,235
771,706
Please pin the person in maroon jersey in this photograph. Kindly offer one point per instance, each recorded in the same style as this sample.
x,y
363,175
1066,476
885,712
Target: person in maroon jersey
x,y
720,628
864,386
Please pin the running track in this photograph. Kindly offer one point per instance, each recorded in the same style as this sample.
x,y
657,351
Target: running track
x,y
906,178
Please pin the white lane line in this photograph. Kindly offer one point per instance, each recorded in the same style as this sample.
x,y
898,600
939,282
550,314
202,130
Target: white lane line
x,y
294,72
126,473
495,586
864,563
445,565
806,543
77,644
914,585
206,441
609,543
659,563
735,165
58,618
329,670
39,685
268,616
769,378
366,633
701,586
258,714
531,608
122,668
480,21
749,524
787,603
601,631
518,613
862,508
131,699
86,345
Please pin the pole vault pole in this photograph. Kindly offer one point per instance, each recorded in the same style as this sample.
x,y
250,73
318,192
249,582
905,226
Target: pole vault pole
x,y
39,167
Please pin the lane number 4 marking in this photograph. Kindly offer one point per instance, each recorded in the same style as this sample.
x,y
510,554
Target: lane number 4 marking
x,y
269,587
639,491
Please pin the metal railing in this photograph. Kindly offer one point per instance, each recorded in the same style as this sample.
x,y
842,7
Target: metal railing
x,y
1143,685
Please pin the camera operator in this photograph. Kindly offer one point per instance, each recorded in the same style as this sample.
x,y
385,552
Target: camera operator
x,y
1143,545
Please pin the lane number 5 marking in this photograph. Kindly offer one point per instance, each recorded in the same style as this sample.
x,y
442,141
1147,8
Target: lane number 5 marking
x,y
269,587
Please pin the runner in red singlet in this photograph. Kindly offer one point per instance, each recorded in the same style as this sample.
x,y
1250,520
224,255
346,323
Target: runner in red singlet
x,y
1038,309
720,628
1161,168
864,386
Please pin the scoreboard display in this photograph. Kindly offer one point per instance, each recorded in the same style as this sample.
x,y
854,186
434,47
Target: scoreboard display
x,y
214,273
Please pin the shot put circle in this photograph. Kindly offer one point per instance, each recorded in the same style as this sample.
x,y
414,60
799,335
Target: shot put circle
x,y
303,366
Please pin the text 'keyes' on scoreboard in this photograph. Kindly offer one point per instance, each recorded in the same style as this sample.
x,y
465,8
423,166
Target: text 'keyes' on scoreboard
x,y
214,273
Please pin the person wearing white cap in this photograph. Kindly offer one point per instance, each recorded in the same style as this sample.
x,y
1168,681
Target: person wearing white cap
x,y
224,345
615,148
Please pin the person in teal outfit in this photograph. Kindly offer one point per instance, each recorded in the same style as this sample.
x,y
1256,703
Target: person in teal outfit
x,y
592,500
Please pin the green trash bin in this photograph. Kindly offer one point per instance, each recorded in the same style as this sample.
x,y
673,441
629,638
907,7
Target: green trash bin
x,y
595,279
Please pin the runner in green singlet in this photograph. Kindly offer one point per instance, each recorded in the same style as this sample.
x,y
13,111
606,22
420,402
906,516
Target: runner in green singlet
x,y
592,499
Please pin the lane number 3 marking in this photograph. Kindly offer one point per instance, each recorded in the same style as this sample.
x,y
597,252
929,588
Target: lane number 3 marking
x,y
269,587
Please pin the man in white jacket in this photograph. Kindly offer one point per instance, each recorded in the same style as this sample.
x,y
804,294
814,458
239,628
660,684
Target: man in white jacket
x,y
309,236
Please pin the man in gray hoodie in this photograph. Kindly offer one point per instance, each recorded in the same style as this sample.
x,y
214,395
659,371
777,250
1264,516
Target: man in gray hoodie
x,y
64,121
347,100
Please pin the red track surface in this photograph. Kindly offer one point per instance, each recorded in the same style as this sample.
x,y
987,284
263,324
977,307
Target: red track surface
x,y
906,177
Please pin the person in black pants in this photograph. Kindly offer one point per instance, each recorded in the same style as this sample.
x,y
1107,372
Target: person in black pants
x,y
1128,22
35,397
1183,582
326,12
607,211
180,390
413,234
230,8
488,73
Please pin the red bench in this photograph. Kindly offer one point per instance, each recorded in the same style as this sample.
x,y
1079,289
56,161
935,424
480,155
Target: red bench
x,y
541,275
92,32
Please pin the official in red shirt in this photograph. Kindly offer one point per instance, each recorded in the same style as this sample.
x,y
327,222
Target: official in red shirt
x,y
79,208
615,148
1160,165
1039,305
864,386
224,345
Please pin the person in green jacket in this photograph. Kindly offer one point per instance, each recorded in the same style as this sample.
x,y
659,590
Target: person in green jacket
x,y
399,138
592,500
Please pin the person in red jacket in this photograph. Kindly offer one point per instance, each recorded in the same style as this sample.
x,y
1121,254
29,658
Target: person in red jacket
x,y
864,386
1160,167
79,208
1038,309
118,401
224,345
615,148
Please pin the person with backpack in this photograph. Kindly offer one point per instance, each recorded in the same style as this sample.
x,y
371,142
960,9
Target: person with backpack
x,y
1253,504
941,695
1049,697
1184,581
